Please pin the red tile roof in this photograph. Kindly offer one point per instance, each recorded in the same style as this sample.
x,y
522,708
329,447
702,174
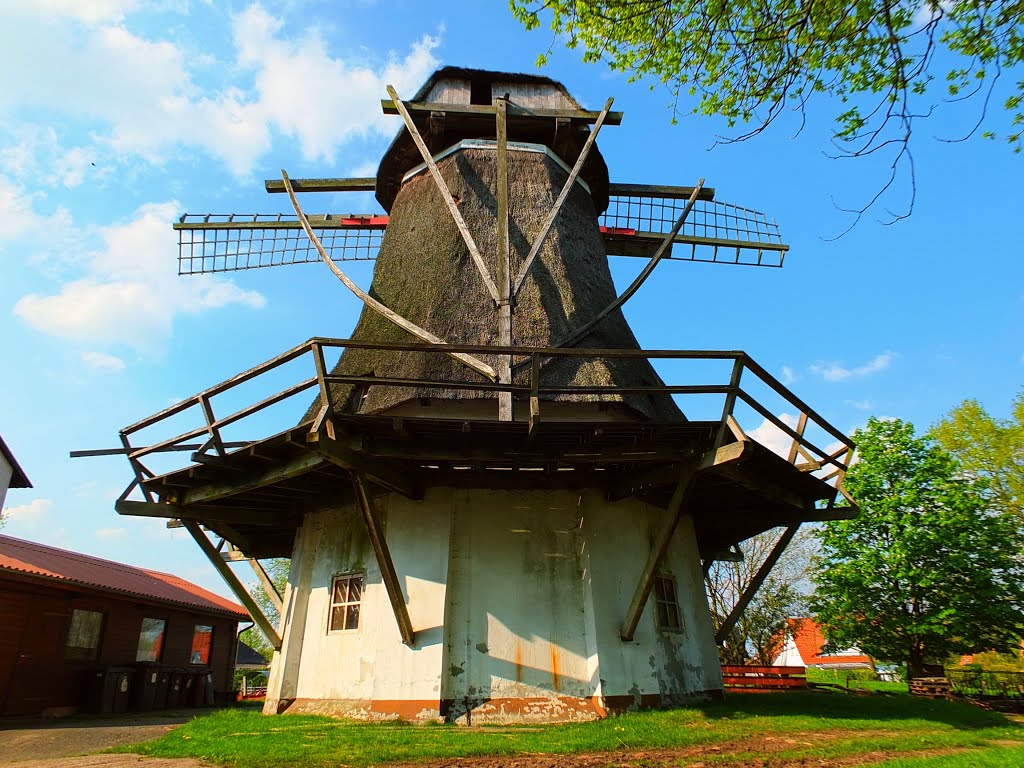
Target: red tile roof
x,y
34,559
809,641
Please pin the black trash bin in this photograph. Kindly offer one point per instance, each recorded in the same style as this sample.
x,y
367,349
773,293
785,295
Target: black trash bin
x,y
188,687
147,683
174,687
108,690
123,678
208,692
198,692
163,677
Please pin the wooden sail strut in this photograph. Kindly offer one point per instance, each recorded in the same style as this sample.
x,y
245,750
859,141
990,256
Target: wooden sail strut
x,y
475,363
446,193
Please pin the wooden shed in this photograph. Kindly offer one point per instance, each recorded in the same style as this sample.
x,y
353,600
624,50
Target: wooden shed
x,y
66,617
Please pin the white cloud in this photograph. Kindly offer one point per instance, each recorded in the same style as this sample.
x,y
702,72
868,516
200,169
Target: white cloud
x,y
131,292
101,361
860,405
788,375
148,98
773,438
112,533
18,216
28,514
836,372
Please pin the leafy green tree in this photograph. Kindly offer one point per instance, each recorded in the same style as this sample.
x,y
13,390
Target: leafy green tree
x,y
927,569
883,64
277,569
989,448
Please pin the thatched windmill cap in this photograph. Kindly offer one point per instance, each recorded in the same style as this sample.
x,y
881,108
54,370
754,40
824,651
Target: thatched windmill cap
x,y
459,86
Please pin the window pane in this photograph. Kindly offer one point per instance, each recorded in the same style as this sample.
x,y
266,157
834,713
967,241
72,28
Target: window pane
x,y
202,639
337,619
339,590
355,589
151,640
352,621
659,589
84,635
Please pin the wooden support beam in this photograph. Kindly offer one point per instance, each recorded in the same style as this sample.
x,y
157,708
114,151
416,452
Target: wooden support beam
x,y
524,270
424,108
423,335
673,514
503,260
755,583
659,190
795,446
269,588
384,561
364,184
249,482
203,513
233,583
389,475
446,193
665,247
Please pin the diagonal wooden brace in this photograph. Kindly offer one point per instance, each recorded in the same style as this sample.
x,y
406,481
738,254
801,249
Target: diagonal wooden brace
x,y
233,583
673,514
446,193
476,364
755,583
384,561
560,201
626,295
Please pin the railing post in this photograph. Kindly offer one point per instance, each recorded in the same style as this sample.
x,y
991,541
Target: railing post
x,y
534,391
137,467
211,424
730,398
326,402
801,425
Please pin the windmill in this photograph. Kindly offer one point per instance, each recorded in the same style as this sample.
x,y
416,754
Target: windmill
x,y
496,507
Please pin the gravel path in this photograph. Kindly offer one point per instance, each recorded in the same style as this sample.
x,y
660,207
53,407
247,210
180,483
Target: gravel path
x,y
52,744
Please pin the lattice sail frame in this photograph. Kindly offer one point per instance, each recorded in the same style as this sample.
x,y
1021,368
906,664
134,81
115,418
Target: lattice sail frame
x,y
633,225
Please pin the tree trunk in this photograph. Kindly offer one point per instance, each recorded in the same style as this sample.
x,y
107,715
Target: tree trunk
x,y
915,663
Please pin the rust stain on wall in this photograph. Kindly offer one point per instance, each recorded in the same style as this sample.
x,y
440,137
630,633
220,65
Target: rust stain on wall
x,y
555,680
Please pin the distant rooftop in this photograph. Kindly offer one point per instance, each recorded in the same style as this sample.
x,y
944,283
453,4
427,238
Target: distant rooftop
x,y
19,479
51,563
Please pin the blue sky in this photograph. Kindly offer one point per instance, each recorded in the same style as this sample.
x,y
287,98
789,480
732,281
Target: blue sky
x,y
118,115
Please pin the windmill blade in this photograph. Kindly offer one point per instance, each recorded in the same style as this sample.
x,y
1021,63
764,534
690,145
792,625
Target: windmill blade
x,y
636,222
715,232
228,242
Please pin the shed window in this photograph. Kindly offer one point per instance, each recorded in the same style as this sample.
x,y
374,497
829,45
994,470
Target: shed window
x,y
151,640
202,641
346,595
666,602
84,635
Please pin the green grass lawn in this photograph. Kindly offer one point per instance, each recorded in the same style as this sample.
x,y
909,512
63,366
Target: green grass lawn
x,y
784,729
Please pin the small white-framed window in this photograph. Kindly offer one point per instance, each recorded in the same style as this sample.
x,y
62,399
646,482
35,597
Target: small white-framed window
x,y
346,598
666,602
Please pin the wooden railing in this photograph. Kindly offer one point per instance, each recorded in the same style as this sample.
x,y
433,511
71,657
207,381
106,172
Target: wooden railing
x,y
741,677
806,455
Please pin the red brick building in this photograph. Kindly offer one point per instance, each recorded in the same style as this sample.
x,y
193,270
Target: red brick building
x,y
65,617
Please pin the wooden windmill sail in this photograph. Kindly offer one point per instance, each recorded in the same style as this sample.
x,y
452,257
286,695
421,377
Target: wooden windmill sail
x,y
496,508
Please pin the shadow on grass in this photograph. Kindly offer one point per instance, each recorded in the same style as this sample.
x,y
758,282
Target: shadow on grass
x,y
833,705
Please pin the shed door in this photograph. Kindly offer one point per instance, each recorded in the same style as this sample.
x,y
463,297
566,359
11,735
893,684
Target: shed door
x,y
38,674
